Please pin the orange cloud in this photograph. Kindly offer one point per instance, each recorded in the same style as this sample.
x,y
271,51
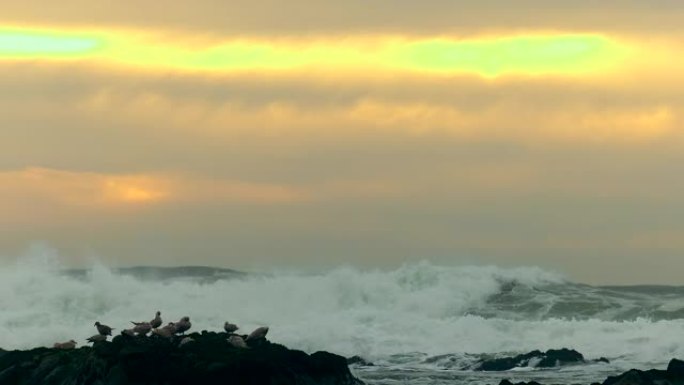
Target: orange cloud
x,y
85,188
99,190
134,189
71,188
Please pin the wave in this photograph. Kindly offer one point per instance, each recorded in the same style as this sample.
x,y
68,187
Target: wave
x,y
419,310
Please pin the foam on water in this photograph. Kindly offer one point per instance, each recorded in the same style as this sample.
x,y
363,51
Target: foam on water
x,y
401,317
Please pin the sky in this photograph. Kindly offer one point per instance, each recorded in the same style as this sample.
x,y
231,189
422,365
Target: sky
x,y
313,134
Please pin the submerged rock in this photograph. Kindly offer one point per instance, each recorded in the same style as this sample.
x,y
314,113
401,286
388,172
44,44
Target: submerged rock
x,y
152,360
507,382
536,358
358,360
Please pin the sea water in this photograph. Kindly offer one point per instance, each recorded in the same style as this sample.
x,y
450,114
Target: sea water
x,y
418,324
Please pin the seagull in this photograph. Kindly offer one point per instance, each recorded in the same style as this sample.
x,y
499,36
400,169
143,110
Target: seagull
x,y
69,345
167,331
103,329
257,334
185,341
157,321
97,338
141,328
237,341
230,328
183,325
129,332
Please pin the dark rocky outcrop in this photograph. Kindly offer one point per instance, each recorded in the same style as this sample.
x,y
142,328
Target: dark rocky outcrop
x,y
142,360
536,358
359,361
507,382
673,375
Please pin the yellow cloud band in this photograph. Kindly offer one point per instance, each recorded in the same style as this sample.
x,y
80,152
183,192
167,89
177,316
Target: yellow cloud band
x,y
541,54
531,54
36,44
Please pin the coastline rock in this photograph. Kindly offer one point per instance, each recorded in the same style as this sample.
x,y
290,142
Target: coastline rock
x,y
507,382
152,360
673,375
549,359
676,367
358,360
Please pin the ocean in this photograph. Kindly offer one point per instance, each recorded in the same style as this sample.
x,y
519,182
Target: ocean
x,y
418,324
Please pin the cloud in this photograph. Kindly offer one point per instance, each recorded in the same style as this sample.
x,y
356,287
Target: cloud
x,y
502,120
83,188
114,192
293,168
315,17
124,192
360,56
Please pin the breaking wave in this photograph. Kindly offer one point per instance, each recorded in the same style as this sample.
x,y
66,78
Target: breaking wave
x,y
418,314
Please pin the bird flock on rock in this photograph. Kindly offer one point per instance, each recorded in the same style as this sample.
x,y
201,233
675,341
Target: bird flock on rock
x,y
170,330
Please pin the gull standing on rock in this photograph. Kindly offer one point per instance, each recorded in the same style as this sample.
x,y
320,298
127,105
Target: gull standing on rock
x,y
97,338
128,332
230,328
237,341
141,328
103,329
258,334
183,325
186,341
69,345
157,321
167,331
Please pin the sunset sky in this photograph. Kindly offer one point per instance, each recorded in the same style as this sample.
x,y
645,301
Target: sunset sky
x,y
312,134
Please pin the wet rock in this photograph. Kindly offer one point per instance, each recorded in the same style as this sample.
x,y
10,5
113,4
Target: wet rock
x,y
359,361
673,375
142,360
536,358
676,368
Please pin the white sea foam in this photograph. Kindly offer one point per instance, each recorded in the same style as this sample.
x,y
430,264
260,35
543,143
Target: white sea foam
x,y
421,308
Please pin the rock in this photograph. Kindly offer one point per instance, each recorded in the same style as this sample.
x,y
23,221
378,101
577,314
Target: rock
x,y
674,375
674,368
358,360
141,360
631,377
536,358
